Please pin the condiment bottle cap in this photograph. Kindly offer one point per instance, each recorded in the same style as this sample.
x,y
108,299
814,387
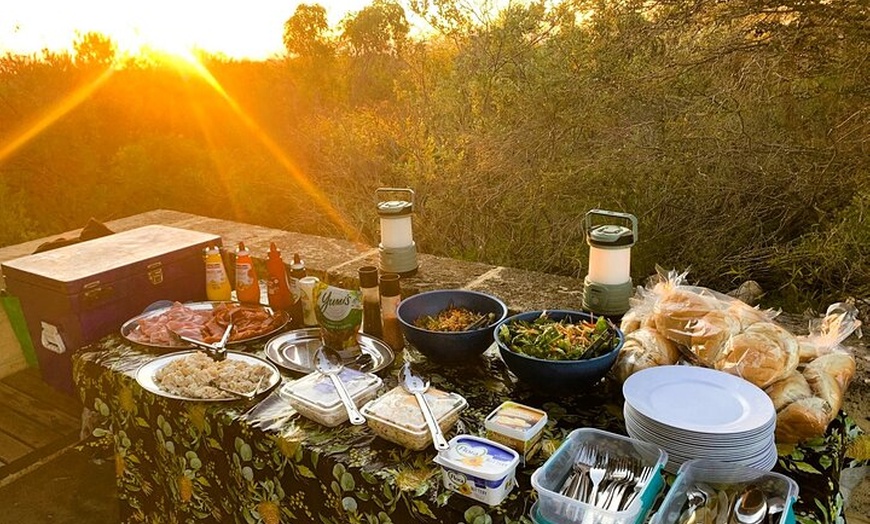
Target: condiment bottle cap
x,y
389,284
368,276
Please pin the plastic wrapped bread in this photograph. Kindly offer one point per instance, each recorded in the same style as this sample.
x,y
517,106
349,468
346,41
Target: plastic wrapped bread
x,y
644,348
762,354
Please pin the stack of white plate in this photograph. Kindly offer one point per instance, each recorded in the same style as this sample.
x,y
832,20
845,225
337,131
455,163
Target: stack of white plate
x,y
692,412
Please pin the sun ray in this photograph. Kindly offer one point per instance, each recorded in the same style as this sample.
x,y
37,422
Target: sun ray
x,y
67,104
313,191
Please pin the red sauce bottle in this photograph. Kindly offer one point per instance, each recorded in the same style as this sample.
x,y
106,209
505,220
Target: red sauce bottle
x,y
278,288
247,283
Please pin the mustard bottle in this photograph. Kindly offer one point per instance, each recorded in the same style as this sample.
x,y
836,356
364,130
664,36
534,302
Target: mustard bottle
x,y
217,284
247,283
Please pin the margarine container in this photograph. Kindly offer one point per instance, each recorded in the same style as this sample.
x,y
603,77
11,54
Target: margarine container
x,y
518,427
314,395
397,417
478,468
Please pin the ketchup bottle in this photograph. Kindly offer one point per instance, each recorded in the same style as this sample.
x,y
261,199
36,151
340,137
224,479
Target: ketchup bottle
x,y
247,284
278,288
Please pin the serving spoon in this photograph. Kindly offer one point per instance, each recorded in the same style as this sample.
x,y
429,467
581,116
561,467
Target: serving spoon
x,y
328,362
417,386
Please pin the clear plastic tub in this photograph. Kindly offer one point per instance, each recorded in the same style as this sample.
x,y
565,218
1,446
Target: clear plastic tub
x,y
517,426
396,416
314,395
731,478
555,508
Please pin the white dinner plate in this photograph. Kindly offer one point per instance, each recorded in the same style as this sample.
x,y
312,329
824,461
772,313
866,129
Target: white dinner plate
x,y
145,374
698,399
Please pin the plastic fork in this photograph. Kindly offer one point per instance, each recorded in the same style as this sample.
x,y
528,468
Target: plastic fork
x,y
596,475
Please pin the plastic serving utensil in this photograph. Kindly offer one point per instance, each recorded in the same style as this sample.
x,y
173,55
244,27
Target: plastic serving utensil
x,y
417,386
329,363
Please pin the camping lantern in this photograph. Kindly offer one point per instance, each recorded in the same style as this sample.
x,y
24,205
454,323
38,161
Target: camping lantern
x,y
398,252
608,284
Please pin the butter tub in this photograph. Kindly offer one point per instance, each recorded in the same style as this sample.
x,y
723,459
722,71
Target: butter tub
x,y
478,468
518,427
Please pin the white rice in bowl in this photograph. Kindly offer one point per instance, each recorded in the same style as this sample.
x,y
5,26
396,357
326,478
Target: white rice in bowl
x,y
192,376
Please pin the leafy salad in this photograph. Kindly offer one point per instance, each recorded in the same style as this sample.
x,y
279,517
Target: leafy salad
x,y
551,339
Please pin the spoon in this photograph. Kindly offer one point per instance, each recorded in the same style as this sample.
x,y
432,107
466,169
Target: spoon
x,y
329,363
416,386
696,498
750,507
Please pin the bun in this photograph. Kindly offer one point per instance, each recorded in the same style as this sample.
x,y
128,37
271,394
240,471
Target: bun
x,y
803,419
644,348
807,402
840,366
762,354
790,389
747,315
674,313
710,334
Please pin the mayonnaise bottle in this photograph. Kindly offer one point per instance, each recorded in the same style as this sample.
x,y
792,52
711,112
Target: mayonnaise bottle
x,y
217,284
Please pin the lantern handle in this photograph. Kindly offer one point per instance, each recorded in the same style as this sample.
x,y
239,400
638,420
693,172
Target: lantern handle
x,y
612,214
405,190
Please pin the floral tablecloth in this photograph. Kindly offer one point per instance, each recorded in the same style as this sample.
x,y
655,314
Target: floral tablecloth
x,y
262,462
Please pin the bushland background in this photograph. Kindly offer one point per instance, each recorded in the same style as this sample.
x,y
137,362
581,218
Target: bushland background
x,y
737,132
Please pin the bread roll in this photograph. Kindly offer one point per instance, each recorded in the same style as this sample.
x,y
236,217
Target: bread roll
x,y
748,315
710,334
790,389
762,354
644,348
803,419
677,310
838,365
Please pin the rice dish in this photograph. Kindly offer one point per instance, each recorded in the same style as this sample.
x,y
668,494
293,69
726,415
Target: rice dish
x,y
192,376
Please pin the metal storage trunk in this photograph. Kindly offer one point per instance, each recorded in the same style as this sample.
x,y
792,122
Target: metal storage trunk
x,y
75,295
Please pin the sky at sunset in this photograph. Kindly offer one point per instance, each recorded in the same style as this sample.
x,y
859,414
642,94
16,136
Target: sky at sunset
x,y
235,28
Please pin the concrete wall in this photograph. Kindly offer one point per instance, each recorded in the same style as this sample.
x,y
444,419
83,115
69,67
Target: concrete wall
x,y
334,259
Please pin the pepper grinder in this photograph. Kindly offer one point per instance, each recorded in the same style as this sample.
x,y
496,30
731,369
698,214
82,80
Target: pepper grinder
x,y
368,284
390,298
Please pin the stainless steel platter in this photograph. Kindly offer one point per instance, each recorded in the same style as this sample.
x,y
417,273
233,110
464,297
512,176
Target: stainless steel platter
x,y
294,351
130,327
146,373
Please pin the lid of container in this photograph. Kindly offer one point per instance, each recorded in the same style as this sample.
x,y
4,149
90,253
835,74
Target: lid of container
x,y
368,276
610,235
478,457
107,259
389,284
515,420
395,208
317,391
399,408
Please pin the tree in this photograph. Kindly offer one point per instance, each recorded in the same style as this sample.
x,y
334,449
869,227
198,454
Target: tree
x,y
95,49
306,33
380,28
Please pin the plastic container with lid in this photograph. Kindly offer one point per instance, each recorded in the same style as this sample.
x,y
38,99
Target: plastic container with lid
x,y
555,508
517,426
396,416
729,477
314,396
478,468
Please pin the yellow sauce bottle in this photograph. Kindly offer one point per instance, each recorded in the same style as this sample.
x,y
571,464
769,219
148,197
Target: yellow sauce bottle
x,y
217,284
247,283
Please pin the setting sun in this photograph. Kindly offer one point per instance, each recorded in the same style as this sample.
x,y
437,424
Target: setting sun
x,y
239,30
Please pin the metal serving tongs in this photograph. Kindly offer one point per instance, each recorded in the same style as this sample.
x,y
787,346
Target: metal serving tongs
x,y
218,351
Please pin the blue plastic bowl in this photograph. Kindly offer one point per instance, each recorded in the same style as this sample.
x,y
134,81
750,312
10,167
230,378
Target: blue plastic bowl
x,y
557,375
447,346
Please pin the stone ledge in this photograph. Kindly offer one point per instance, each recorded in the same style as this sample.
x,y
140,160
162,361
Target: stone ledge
x,y
338,260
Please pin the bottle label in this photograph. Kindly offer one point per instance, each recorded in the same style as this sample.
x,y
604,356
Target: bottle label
x,y
214,274
244,275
